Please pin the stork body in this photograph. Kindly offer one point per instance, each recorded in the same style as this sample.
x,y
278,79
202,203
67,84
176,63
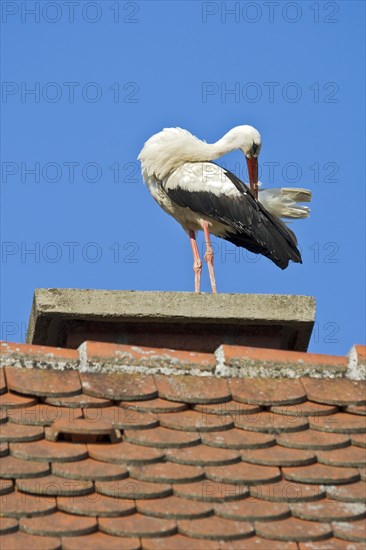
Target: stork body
x,y
178,170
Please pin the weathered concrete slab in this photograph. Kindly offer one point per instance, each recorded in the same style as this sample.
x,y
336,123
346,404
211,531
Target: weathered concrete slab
x,y
180,320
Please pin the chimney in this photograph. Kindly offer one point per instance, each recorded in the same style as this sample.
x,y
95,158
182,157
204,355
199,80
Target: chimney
x,y
179,320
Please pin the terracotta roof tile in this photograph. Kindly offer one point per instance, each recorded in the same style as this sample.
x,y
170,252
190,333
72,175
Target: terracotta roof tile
x,y
308,408
350,456
202,455
138,526
311,439
243,473
215,528
328,510
42,382
100,541
89,470
293,529
319,473
178,542
99,353
96,505
211,491
331,544
10,400
59,524
4,449
362,472
157,405
279,456
339,423
133,489
8,525
19,541
80,401
238,439
123,418
18,504
125,453
6,486
352,492
335,391
174,507
251,509
167,472
10,432
191,421
232,408
356,409
359,440
127,387
46,451
257,543
192,389
354,531
268,422
262,391
162,438
42,414
288,491
52,485
15,468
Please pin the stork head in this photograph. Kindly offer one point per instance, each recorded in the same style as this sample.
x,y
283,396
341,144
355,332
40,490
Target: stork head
x,y
247,139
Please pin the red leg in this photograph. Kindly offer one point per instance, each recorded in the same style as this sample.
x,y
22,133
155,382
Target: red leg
x,y
209,256
197,264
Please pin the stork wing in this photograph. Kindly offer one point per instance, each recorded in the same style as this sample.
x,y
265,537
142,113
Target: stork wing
x,y
209,190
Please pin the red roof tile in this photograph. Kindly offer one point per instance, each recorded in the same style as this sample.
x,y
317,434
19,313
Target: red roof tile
x,y
192,389
201,461
59,524
354,531
178,542
293,529
125,453
43,382
100,541
118,386
19,541
174,507
261,391
138,525
17,505
335,392
215,528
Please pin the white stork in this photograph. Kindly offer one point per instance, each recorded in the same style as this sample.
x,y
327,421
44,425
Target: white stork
x,y
178,170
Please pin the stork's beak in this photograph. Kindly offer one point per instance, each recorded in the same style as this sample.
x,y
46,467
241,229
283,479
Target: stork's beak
x,y
253,175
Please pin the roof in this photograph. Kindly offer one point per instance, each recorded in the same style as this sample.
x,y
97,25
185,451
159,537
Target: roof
x,y
121,447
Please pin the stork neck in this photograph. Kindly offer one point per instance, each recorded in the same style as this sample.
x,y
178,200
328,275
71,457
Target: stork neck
x,y
213,151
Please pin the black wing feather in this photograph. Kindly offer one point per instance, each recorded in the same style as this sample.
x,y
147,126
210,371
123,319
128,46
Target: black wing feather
x,y
254,227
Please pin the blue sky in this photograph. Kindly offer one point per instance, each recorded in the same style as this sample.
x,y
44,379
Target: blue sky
x,y
86,83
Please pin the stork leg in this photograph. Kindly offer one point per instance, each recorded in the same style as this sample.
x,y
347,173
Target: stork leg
x,y
197,264
209,256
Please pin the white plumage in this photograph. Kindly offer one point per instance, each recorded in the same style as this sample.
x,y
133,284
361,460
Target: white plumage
x,y
178,170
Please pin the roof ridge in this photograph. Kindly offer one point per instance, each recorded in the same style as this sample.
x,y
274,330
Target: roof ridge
x,y
227,361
